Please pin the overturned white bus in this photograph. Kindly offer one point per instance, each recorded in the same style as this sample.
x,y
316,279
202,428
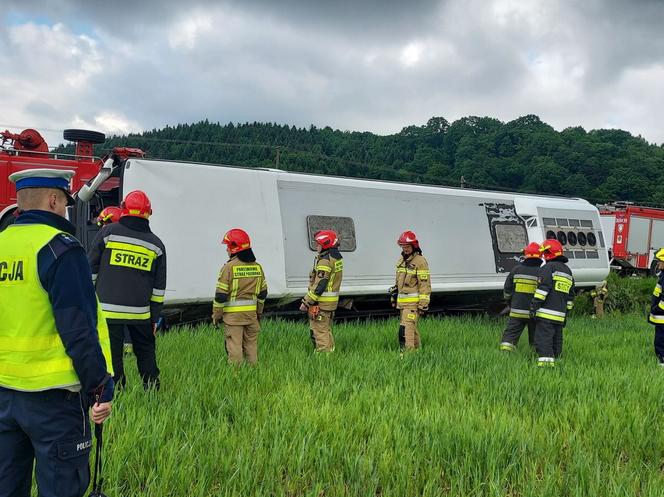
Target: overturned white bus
x,y
471,238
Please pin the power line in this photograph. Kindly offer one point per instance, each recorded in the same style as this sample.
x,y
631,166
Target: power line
x,y
197,142
22,127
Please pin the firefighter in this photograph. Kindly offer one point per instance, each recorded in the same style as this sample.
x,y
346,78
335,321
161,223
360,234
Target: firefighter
x,y
128,264
412,292
551,302
54,345
239,298
322,297
656,316
599,294
109,215
519,288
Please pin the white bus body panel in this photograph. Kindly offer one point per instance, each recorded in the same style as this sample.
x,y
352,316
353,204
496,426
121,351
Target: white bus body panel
x,y
194,205
608,226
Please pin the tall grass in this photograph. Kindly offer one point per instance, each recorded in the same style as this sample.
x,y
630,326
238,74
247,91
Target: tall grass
x,y
626,294
456,418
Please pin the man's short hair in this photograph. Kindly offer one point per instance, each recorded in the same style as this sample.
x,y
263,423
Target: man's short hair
x,y
35,198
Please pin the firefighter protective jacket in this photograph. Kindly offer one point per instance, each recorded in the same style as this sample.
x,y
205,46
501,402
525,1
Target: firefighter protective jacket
x,y
520,285
413,282
128,265
656,305
325,280
241,291
555,291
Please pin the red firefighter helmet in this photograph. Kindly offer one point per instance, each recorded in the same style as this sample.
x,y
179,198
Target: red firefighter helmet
x,y
408,238
237,240
326,239
136,204
532,251
551,249
109,215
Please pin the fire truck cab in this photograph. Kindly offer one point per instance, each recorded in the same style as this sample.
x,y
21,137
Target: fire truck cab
x,y
638,232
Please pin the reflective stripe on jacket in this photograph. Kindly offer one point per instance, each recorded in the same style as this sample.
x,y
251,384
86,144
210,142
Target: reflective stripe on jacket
x,y
241,292
656,304
413,282
520,285
555,291
128,264
325,280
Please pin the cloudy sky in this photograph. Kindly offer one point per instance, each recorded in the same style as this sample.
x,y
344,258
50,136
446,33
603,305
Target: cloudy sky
x,y
378,65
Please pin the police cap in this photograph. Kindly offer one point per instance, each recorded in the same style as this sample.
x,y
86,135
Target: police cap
x,y
44,178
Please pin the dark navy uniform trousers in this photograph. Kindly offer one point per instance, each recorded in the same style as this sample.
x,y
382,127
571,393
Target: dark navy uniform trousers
x,y
659,342
51,428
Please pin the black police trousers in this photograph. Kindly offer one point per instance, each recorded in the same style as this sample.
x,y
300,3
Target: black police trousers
x,y
144,345
51,428
514,329
548,338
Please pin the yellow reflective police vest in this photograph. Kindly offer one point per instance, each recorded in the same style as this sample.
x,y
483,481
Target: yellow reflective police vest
x,y
32,355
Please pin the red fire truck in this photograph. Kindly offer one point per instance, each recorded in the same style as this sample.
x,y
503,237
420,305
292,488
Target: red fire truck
x,y
28,150
637,233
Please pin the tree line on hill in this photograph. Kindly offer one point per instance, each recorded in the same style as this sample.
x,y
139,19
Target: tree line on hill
x,y
524,155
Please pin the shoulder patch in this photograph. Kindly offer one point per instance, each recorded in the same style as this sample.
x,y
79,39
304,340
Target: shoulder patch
x,y
62,242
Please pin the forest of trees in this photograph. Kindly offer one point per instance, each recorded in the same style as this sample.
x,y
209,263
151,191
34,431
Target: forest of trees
x,y
523,155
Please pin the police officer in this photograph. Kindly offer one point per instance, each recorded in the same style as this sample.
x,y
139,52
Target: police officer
x,y
412,292
240,298
54,346
128,264
551,301
656,316
322,296
519,288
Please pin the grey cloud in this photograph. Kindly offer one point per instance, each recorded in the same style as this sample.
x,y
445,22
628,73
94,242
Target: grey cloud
x,y
346,64
41,109
358,18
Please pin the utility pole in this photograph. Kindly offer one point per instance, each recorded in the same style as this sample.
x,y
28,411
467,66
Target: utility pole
x,y
278,156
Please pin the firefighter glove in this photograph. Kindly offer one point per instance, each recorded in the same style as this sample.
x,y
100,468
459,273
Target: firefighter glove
x,y
216,320
313,311
393,291
534,307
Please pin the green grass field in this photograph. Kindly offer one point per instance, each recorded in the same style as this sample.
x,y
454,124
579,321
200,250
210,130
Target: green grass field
x,y
457,418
